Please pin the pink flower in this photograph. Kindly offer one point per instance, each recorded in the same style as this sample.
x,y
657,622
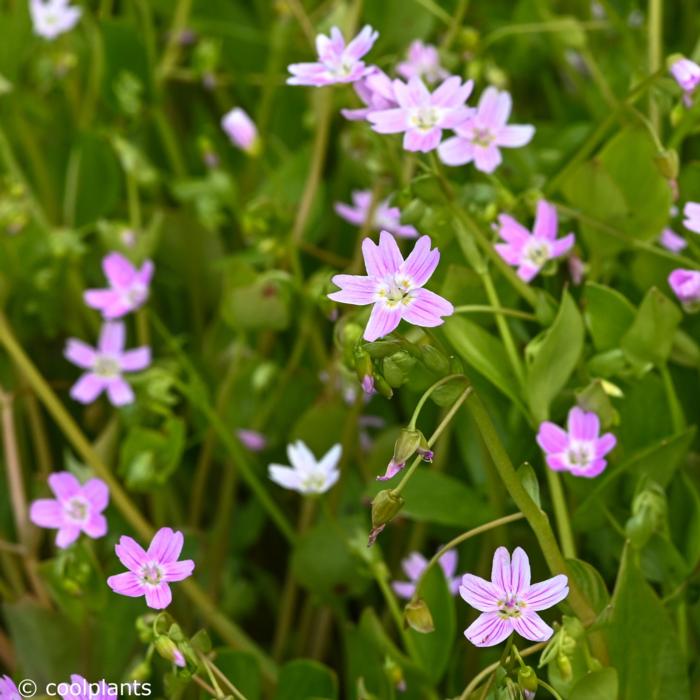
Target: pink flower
x,y
691,211
423,61
337,62
77,508
150,571
80,688
307,475
128,287
480,136
508,602
385,216
394,286
422,115
105,365
670,240
415,564
375,90
529,252
579,449
686,286
241,129
687,75
252,440
50,18
8,689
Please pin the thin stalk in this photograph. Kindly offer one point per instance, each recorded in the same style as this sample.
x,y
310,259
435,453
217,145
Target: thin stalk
x,y
655,51
504,658
561,514
549,689
496,310
172,49
426,396
674,405
217,671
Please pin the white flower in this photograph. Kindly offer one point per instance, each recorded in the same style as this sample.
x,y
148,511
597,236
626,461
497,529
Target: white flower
x,y
53,17
306,475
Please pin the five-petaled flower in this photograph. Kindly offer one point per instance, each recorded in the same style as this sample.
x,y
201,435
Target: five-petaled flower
x,y
414,565
686,286
8,689
423,115
394,286
241,129
105,365
670,240
307,475
481,135
384,216
337,63
77,508
50,18
687,75
422,61
509,602
80,688
128,287
580,449
691,211
530,251
150,572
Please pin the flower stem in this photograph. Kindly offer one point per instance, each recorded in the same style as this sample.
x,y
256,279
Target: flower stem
x,y
496,310
561,514
655,51
426,396
549,689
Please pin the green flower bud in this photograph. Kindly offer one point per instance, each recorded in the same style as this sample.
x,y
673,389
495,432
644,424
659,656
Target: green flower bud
x,y
417,616
382,386
385,507
527,679
169,651
407,445
564,665
667,163
434,359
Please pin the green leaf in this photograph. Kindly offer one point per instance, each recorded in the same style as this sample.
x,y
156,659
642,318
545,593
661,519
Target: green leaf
x,y
484,353
590,583
528,478
434,648
642,640
437,498
598,685
650,337
303,678
552,358
242,670
608,315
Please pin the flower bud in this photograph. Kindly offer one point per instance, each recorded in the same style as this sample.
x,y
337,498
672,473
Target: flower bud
x,y
365,371
407,444
434,359
648,513
667,163
564,665
382,386
385,506
527,680
169,651
417,616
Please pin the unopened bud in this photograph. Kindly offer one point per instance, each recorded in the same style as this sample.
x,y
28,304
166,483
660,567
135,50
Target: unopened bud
x,y
169,651
435,359
417,616
406,446
385,507
648,513
667,163
564,665
527,680
382,386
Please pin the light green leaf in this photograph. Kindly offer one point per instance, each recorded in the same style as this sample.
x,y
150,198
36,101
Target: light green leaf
x,y
608,315
599,685
303,678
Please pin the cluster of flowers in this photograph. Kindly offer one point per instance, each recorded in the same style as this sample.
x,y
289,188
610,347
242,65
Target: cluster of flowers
x,y
685,283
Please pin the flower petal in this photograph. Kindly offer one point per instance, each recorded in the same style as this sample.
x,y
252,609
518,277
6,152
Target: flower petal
x,y
403,589
532,627
166,545
487,158
414,565
119,392
96,526
354,289
583,425
519,571
488,630
551,438
479,593
500,569
421,262
46,512
330,460
422,141
456,151
127,584
448,563
515,135
112,337
64,485
494,107
427,309
66,535
158,597
136,359
178,570
546,594
382,321
79,353
383,258
118,270
97,492
285,476
87,388
389,121
546,221
130,553
606,443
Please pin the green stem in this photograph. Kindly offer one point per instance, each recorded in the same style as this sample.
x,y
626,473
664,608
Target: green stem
x,y
549,688
426,396
502,662
496,310
172,49
433,438
674,405
561,514
655,51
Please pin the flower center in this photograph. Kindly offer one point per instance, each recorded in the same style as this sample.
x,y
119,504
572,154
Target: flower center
x,y
106,367
579,455
510,606
314,481
537,252
136,294
482,137
342,68
76,509
424,118
151,574
395,290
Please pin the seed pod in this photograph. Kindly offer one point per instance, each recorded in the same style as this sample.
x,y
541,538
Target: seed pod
x,y
417,616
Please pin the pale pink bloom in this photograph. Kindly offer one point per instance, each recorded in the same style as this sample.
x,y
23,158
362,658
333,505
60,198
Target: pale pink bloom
x,y
508,602
8,689
670,240
422,116
530,251
77,508
241,129
691,211
252,439
376,91
179,658
423,61
50,18
80,688
150,571
580,449
337,63
105,365
415,564
394,286
577,269
687,75
686,286
385,216
128,287
481,135
307,475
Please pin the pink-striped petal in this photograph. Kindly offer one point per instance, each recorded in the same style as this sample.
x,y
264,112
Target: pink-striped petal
x,y
46,512
562,245
414,565
178,570
500,569
583,425
166,545
383,258
421,262
494,107
112,337
488,630
127,584
479,593
389,121
382,321
422,141
80,354
456,151
515,136
354,289
158,597
546,594
64,485
487,158
118,270
532,627
512,231
427,309
96,526
519,572
545,221
551,438
606,443
448,563
131,554
136,359
97,492
88,388
119,392
66,535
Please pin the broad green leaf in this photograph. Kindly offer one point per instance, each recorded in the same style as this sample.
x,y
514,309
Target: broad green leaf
x,y
303,678
484,352
642,640
598,685
321,426
437,498
590,583
552,358
242,670
650,337
608,315
434,648
528,478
